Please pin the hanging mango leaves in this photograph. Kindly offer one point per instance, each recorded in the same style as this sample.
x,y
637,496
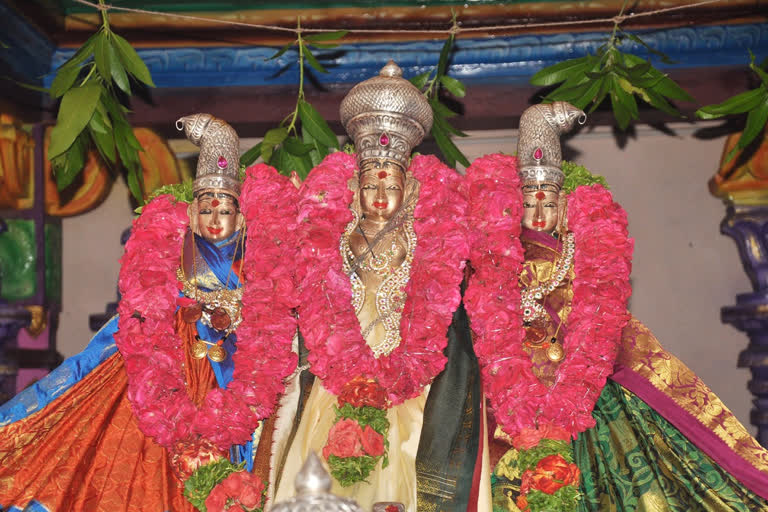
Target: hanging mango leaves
x,y
90,85
433,86
754,102
615,74
303,138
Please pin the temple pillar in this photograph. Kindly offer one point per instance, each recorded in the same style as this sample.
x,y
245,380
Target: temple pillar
x,y
748,226
742,183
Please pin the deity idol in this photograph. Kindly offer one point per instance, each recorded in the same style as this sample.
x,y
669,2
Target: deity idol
x,y
394,406
592,413
191,366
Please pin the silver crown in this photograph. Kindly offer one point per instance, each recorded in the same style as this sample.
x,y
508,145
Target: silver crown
x,y
313,492
386,116
218,165
538,145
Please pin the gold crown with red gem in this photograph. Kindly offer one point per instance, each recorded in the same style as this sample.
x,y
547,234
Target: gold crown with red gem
x,y
386,116
218,166
539,156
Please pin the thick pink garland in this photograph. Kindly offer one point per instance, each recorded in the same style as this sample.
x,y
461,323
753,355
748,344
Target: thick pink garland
x,y
337,351
153,351
601,289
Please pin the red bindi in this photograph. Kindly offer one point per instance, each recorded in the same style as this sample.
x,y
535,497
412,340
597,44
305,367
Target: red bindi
x,y
215,202
540,195
383,174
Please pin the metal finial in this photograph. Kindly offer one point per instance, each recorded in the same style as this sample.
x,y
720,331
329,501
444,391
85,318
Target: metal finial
x,y
312,479
313,485
391,69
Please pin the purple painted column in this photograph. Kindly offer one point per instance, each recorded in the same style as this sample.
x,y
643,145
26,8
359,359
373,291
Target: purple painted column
x,y
748,226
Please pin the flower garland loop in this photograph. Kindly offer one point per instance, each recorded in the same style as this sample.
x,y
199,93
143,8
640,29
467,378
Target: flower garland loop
x,y
337,350
153,351
601,289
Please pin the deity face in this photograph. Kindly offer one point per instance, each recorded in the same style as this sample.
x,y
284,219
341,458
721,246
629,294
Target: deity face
x,y
382,185
540,202
218,215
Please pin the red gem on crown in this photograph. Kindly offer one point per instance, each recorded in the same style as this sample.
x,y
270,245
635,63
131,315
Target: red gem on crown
x,y
222,163
384,139
538,154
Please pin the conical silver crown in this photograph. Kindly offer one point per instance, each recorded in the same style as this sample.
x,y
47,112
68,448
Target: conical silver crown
x,y
386,116
218,165
539,155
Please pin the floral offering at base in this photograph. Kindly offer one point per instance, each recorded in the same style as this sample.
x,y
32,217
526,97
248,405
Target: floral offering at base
x,y
358,439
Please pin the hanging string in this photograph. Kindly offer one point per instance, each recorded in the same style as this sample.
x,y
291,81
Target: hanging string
x,y
455,29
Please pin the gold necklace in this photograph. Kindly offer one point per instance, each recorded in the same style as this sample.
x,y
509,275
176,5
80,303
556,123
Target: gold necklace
x,y
219,309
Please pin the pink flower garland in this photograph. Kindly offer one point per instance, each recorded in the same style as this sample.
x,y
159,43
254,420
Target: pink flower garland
x,y
337,350
601,289
152,350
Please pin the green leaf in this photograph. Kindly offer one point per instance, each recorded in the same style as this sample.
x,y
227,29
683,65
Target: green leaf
x,y
272,138
571,94
620,110
637,71
589,94
251,155
123,149
447,127
275,136
101,55
445,53
742,102
66,166
454,86
287,163
420,80
75,112
758,69
658,102
296,147
64,80
663,56
319,151
602,92
83,53
670,89
326,36
281,51
562,71
626,98
325,46
104,141
313,61
316,125
134,186
132,61
118,71
449,150
756,120
441,109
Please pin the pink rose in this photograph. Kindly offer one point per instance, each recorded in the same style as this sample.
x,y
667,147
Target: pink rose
x,y
344,440
372,441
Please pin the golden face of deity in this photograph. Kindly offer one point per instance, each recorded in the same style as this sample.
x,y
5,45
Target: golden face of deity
x,y
382,185
540,206
217,215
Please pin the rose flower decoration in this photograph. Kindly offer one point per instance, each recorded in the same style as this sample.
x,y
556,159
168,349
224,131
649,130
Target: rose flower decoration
x,y
357,440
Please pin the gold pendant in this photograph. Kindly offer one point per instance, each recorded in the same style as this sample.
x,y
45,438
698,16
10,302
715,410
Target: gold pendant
x,y
217,354
555,351
199,349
